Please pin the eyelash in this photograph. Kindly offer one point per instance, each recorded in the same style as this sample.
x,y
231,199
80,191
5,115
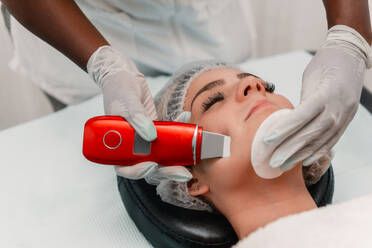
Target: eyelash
x,y
219,96
216,97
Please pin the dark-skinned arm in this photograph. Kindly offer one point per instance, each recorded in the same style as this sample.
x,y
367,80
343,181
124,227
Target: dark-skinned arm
x,y
60,23
352,13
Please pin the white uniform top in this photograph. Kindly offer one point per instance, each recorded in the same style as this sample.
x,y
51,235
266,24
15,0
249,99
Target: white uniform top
x,y
159,35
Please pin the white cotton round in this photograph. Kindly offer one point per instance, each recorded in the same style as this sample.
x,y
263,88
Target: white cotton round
x,y
260,160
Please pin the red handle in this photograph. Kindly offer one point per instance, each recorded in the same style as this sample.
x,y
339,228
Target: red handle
x,y
111,140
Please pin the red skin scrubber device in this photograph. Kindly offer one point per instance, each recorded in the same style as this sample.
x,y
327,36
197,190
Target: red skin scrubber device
x,y
111,140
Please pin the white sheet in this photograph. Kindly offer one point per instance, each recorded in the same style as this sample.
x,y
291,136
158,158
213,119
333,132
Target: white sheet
x,y
52,197
341,225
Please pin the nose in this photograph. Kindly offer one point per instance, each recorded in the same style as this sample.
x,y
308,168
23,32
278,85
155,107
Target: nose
x,y
248,86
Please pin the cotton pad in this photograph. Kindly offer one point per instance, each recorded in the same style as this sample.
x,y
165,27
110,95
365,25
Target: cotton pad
x,y
260,153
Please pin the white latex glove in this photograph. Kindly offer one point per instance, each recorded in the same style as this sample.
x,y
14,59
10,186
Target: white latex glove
x,y
125,93
331,89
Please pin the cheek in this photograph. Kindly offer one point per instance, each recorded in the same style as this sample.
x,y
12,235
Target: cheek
x,y
230,173
227,173
280,101
224,174
218,120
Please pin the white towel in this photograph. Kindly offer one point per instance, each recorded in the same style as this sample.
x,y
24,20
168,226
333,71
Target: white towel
x,y
348,224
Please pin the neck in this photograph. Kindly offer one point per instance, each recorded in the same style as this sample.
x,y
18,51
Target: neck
x,y
248,220
249,209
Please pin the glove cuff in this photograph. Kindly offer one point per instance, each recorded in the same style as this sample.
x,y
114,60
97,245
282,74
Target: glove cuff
x,y
350,35
107,61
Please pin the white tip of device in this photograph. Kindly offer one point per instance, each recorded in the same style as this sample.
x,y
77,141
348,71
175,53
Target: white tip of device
x,y
226,146
214,145
261,153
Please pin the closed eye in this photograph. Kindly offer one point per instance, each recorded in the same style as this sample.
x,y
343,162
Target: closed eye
x,y
216,97
219,96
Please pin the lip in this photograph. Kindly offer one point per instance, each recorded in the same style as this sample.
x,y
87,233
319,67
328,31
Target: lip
x,y
256,106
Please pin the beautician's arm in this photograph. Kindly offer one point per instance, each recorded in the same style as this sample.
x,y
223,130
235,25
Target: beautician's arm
x,y
61,24
352,13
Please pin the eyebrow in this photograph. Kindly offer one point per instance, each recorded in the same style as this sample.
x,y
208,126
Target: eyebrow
x,y
209,86
219,82
246,74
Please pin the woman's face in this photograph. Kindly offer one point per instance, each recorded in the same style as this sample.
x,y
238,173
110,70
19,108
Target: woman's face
x,y
230,102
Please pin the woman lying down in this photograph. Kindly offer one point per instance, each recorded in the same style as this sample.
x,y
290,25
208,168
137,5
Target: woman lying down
x,y
220,98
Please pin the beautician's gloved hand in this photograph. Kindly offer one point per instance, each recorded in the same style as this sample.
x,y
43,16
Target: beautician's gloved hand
x,y
331,89
126,93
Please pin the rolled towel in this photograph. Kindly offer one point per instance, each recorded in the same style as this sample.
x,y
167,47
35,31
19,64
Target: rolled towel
x,y
347,224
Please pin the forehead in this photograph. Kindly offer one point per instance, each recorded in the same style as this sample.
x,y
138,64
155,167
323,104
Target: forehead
x,y
228,74
215,74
